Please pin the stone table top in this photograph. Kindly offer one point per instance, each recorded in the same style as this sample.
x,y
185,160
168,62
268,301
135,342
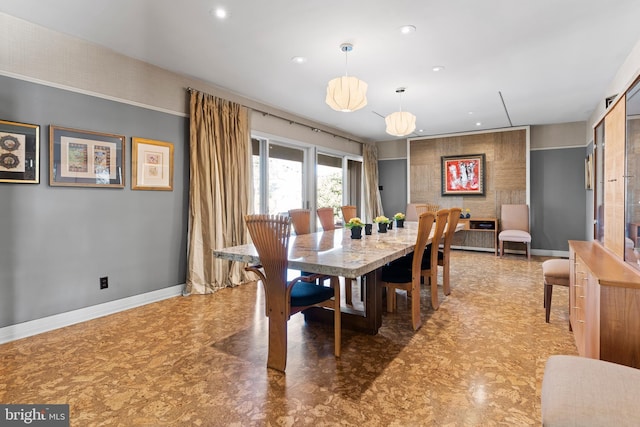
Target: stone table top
x,y
335,253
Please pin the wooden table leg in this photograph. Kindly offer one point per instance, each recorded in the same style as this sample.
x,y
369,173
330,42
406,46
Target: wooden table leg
x,y
368,322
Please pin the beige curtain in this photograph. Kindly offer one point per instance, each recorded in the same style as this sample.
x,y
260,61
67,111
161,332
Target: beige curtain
x,y
372,202
219,190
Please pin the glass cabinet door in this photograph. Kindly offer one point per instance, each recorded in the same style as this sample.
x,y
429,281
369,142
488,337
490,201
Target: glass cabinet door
x,y
632,178
599,183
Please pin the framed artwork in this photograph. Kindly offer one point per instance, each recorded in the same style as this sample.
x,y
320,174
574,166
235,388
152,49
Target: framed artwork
x,y
463,175
151,165
82,158
588,172
19,152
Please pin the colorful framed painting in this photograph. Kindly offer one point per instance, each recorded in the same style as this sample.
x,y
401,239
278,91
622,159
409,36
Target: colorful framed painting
x,y
463,175
151,165
82,158
19,152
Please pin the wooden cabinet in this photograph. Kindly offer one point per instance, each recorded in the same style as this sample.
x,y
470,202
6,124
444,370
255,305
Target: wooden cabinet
x,y
604,297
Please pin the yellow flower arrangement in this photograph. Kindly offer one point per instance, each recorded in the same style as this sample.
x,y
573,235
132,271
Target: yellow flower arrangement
x,y
382,219
399,216
354,222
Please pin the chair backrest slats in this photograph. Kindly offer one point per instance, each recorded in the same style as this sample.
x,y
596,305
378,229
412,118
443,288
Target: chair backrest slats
x,y
270,235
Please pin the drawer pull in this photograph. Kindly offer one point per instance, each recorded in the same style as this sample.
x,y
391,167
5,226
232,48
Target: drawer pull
x,y
580,321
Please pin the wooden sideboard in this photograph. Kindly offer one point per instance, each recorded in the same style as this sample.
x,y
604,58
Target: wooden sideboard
x,y
604,299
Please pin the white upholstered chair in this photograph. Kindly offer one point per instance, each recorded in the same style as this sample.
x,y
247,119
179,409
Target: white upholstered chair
x,y
514,223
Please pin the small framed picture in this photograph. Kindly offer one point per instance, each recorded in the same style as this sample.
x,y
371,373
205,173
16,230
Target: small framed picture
x,y
82,158
151,165
463,175
19,152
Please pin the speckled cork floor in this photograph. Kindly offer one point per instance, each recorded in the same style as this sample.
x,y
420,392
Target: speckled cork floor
x,y
201,360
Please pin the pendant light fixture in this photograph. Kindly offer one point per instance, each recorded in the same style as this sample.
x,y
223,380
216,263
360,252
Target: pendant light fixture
x,y
400,123
346,93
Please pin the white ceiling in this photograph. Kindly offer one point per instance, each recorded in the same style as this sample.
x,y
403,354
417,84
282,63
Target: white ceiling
x,y
550,59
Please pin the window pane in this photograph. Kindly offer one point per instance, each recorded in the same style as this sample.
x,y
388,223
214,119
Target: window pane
x,y
329,183
255,158
285,178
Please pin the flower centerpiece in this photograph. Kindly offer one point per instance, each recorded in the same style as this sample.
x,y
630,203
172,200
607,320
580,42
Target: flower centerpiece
x,y
354,222
399,217
355,225
382,222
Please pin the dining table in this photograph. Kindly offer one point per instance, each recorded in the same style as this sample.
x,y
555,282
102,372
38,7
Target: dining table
x,y
335,253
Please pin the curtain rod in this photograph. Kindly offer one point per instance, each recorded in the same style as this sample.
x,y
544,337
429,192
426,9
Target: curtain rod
x,y
292,122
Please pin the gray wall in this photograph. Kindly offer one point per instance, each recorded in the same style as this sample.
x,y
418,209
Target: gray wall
x,y
392,176
55,242
558,198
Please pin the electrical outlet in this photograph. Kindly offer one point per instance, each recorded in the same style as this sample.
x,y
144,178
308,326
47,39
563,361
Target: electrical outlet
x,y
104,282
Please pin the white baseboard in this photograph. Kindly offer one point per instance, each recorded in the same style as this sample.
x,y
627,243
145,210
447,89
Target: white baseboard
x,y
45,324
538,252
547,252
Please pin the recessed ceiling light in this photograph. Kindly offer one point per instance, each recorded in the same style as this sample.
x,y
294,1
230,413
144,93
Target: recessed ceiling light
x,y
437,68
422,130
470,113
299,59
219,13
478,123
408,29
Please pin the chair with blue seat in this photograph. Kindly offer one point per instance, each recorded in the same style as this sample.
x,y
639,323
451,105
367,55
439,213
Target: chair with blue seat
x,y
270,235
397,275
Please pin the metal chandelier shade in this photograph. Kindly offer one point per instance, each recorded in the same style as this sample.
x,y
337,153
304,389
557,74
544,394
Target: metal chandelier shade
x,y
400,123
346,93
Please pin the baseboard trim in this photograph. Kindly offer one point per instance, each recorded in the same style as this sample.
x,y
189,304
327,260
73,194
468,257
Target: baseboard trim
x,y
538,252
45,324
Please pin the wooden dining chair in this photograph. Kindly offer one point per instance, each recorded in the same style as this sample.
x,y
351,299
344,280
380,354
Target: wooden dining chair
x,y
429,266
396,275
270,235
348,212
301,220
444,256
421,208
326,218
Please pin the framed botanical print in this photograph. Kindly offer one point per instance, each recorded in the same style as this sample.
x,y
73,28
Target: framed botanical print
x,y
84,158
151,165
19,152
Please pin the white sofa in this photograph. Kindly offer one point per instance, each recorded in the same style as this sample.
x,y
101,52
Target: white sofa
x,y
577,391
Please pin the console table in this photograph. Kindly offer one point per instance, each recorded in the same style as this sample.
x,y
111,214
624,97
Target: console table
x,y
482,225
